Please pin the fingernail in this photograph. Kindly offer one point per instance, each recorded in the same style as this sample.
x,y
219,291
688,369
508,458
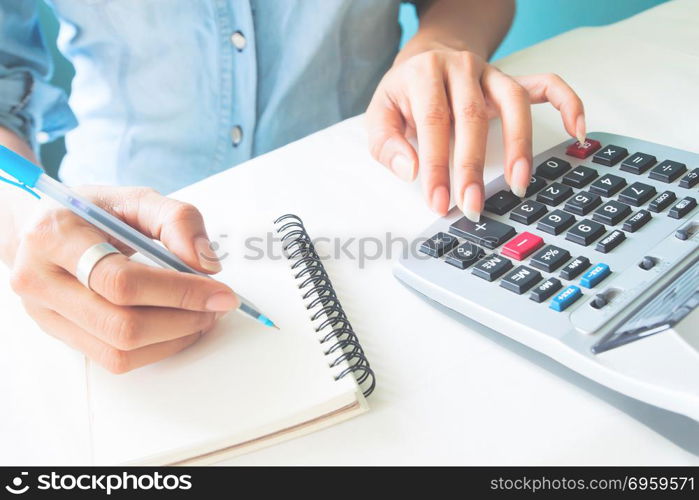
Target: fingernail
x,y
222,302
519,180
472,202
402,167
440,200
580,129
206,255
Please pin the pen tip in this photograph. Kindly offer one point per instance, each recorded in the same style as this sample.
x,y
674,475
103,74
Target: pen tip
x,y
267,322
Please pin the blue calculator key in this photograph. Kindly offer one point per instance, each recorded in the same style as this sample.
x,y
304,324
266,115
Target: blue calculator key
x,y
565,298
595,275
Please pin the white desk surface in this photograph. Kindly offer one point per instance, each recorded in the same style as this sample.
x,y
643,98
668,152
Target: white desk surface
x,y
449,391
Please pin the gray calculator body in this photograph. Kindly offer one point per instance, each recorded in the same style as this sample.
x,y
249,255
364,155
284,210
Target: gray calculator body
x,y
652,289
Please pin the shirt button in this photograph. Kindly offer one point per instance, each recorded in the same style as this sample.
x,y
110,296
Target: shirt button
x,y
236,135
238,40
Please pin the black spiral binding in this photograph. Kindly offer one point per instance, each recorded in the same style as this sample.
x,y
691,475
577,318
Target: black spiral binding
x,y
320,295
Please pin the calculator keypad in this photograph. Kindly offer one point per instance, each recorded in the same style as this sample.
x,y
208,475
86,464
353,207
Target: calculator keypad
x,y
668,171
554,194
520,279
491,267
585,232
611,213
608,185
439,244
465,255
556,222
662,201
487,232
637,194
571,190
638,163
582,203
501,202
552,168
580,177
528,212
610,155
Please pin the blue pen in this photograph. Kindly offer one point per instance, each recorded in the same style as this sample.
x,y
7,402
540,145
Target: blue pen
x,y
30,176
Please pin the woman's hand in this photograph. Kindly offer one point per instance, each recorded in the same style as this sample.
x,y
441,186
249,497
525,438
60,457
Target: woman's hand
x,y
135,314
444,90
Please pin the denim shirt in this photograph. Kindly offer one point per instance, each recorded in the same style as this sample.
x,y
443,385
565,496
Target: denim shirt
x,y
168,92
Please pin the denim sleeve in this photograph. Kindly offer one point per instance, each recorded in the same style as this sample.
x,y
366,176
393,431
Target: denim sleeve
x,y
28,102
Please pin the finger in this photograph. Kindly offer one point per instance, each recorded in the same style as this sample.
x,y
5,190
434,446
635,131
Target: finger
x,y
127,283
470,136
430,110
124,282
178,225
113,359
387,142
512,103
554,89
126,328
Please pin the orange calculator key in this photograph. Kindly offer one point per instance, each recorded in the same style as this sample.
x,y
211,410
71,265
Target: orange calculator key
x,y
582,151
522,246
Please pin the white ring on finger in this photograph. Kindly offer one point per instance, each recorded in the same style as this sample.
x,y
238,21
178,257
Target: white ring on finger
x,y
89,259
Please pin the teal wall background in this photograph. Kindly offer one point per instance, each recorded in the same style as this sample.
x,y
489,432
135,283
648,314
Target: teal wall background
x,y
535,20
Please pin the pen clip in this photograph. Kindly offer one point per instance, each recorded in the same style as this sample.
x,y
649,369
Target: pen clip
x,y
19,185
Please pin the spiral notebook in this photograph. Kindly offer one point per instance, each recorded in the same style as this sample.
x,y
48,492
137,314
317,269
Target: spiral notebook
x,y
243,386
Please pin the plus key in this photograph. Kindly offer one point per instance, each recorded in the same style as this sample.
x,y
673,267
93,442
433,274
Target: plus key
x,y
520,247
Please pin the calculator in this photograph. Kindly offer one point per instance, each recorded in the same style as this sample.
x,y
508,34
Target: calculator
x,y
596,267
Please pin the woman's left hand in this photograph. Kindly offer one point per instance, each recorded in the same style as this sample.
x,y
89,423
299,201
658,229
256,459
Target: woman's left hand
x,y
442,90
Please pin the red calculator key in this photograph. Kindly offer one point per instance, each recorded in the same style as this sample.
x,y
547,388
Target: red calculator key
x,y
521,246
582,151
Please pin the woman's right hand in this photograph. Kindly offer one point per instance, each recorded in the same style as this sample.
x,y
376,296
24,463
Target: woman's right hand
x,y
134,314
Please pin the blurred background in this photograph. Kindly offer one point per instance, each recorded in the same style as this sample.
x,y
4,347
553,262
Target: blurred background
x,y
535,20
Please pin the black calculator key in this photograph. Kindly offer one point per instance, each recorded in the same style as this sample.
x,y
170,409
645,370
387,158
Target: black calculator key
x,y
690,180
528,212
638,163
637,221
554,194
488,232
662,201
585,232
464,255
580,177
611,241
668,171
545,290
637,194
610,155
501,202
575,267
520,279
552,168
611,213
682,208
556,222
535,185
608,185
491,267
439,244
550,258
582,203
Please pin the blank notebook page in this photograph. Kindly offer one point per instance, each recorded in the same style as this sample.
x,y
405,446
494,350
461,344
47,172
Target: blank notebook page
x,y
239,382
